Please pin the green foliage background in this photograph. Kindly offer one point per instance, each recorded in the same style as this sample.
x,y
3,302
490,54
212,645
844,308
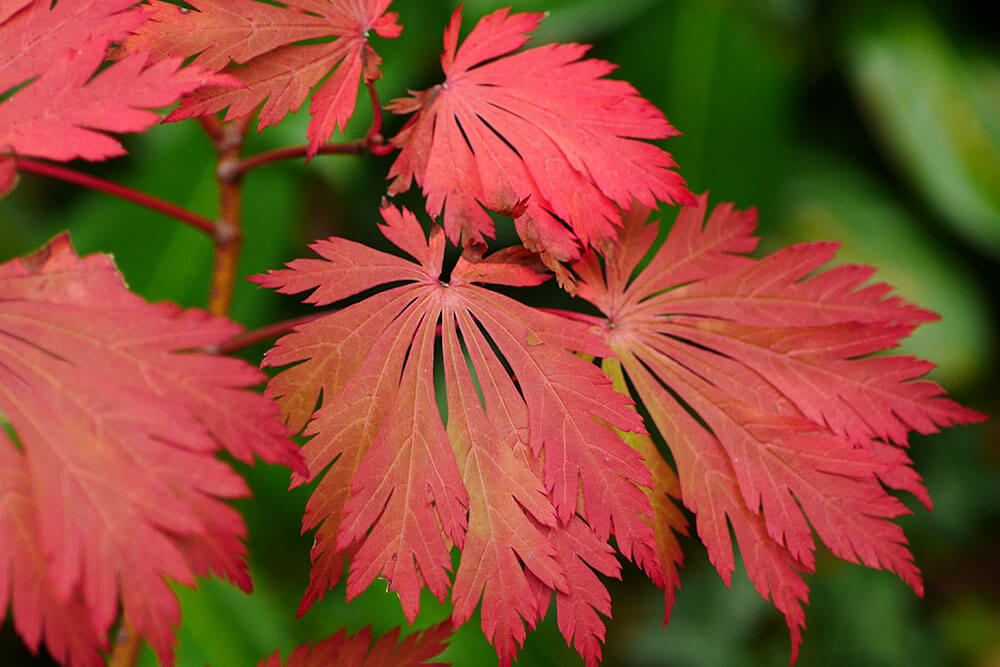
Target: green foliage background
x,y
875,124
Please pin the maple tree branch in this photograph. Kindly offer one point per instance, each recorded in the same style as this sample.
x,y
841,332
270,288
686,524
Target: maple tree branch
x,y
373,143
116,190
291,152
212,126
375,131
263,334
227,232
125,652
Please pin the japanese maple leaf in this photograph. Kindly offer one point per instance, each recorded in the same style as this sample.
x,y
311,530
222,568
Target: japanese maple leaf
x,y
358,651
759,374
112,484
539,135
8,175
522,477
260,39
63,113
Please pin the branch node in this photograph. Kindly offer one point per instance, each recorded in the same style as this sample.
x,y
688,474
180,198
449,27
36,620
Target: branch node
x,y
226,232
228,170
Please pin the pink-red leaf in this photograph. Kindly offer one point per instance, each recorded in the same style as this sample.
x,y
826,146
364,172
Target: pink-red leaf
x,y
798,427
525,452
37,33
117,422
357,650
8,175
24,576
261,41
64,113
539,135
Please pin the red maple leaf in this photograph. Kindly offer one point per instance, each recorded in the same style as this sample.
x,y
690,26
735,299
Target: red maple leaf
x,y
538,135
759,376
260,40
62,114
8,175
523,479
357,650
112,483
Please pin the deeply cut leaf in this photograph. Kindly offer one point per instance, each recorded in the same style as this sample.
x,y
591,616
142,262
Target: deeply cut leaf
x,y
539,135
113,484
523,478
759,376
64,112
357,650
260,40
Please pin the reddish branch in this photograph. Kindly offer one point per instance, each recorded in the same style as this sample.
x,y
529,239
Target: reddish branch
x,y
116,190
292,152
373,143
261,335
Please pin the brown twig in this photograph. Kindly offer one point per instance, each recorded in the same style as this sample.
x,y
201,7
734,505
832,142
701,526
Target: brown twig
x,y
227,232
116,190
125,652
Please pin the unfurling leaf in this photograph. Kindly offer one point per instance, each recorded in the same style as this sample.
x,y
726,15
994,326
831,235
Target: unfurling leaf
x,y
109,483
525,476
539,135
760,376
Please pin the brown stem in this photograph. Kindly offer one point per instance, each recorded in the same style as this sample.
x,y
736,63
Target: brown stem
x,y
212,126
116,190
263,334
125,652
227,139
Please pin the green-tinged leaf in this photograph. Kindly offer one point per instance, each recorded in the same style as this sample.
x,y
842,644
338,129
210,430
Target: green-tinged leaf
x,y
936,109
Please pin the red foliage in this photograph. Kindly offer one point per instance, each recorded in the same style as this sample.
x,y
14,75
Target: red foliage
x,y
112,484
537,135
798,427
523,479
260,40
765,378
8,175
358,651
61,115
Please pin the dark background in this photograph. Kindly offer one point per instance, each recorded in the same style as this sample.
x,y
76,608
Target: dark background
x,y
874,124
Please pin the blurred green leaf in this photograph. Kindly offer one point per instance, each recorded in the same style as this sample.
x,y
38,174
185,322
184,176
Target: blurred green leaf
x,y
830,200
935,109
726,83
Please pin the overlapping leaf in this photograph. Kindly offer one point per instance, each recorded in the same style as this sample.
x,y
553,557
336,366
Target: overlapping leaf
x,y
357,650
8,175
112,484
63,113
523,479
260,39
760,378
539,135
